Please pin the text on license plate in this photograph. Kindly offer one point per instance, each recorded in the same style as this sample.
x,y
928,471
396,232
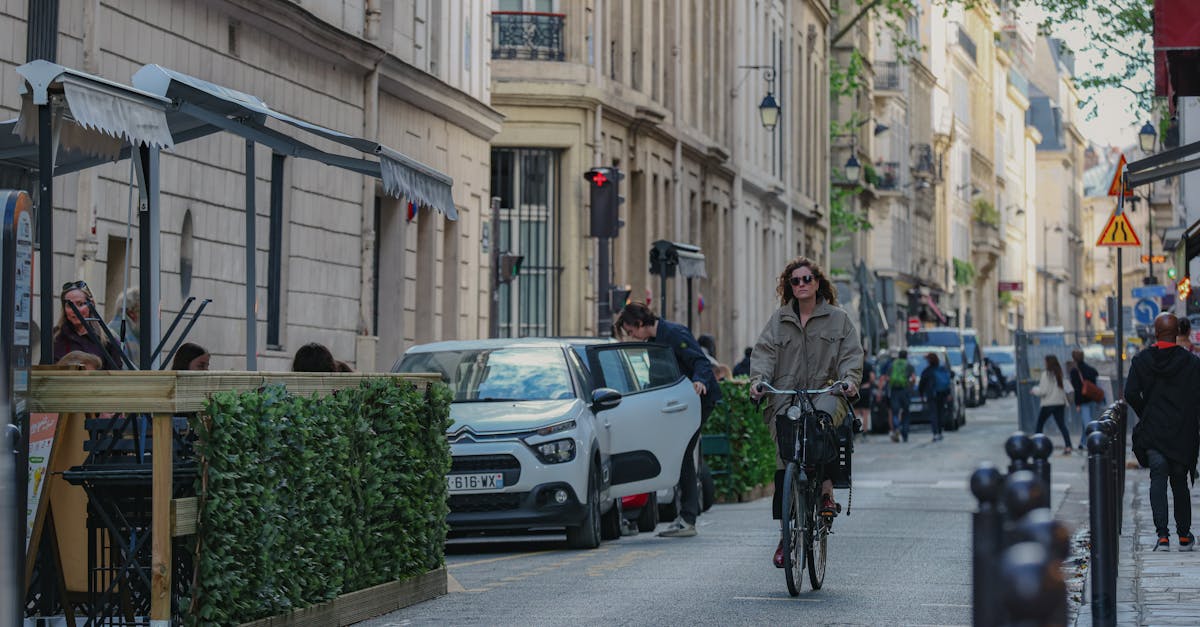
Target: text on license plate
x,y
475,482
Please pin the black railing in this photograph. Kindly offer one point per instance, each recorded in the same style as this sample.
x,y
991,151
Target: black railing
x,y
529,36
923,160
968,44
887,76
889,175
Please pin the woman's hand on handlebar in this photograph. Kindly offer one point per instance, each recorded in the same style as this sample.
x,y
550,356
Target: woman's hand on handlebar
x,y
849,390
756,391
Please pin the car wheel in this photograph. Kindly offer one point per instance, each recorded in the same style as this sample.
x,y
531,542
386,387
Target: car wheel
x,y
708,488
610,522
648,518
586,535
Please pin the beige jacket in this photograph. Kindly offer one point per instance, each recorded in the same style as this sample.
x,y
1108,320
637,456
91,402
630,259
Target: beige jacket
x,y
789,356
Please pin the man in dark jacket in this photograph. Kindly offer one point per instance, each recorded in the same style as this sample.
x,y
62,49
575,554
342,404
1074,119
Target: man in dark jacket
x,y
637,321
1164,389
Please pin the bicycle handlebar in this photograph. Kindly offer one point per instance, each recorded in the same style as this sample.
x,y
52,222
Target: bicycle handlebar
x,y
767,387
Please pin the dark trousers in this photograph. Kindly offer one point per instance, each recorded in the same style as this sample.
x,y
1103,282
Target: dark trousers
x,y
1163,469
900,416
1059,413
689,492
937,405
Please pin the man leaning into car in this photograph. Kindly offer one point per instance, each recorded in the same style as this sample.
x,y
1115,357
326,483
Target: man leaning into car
x,y
637,321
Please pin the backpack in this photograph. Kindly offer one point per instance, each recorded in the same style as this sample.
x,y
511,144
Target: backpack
x,y
898,377
941,379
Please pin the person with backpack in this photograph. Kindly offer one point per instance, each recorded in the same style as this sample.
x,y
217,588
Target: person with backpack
x,y
934,388
899,379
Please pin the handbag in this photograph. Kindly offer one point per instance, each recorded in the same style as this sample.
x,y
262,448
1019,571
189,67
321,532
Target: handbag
x,y
1092,392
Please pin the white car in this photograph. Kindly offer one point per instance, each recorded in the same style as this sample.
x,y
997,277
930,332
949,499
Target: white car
x,y
541,440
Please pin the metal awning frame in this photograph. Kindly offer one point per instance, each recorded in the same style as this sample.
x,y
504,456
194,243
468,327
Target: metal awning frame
x,y
189,108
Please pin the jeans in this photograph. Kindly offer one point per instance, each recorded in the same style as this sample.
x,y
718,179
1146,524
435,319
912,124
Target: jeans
x,y
1088,412
689,492
1058,411
899,400
937,407
1162,469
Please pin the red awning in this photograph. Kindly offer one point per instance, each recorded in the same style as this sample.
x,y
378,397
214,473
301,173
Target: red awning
x,y
1176,48
937,312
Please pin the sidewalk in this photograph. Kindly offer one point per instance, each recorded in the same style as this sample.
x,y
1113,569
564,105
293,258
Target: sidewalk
x,y
1153,587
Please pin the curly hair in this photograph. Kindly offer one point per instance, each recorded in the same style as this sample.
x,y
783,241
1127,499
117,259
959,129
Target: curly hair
x,y
825,289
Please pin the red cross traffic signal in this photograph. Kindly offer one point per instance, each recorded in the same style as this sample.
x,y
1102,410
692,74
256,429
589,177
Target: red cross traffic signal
x,y
603,188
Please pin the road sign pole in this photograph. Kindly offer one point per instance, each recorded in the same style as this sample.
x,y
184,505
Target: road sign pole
x,y
1119,392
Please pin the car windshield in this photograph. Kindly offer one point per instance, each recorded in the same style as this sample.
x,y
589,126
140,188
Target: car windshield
x,y
936,338
497,374
1000,357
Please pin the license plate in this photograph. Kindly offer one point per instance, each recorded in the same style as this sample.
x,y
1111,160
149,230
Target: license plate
x,y
479,482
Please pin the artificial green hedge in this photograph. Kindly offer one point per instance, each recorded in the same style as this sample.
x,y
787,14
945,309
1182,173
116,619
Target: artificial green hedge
x,y
305,499
752,453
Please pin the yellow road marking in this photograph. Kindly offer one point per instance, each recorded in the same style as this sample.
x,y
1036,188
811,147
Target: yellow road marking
x,y
452,584
499,559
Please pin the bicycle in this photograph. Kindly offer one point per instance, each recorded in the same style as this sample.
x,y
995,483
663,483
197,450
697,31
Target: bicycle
x,y
799,433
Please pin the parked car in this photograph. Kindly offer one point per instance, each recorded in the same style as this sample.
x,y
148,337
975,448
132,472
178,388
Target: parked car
x,y
1005,358
971,376
540,439
918,410
974,367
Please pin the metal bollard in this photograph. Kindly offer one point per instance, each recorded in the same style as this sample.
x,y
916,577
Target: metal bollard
x,y
1042,449
1018,447
1104,555
1023,493
1109,428
987,541
1035,591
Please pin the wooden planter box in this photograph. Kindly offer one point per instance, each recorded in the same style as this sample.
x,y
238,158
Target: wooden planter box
x,y
164,394
363,604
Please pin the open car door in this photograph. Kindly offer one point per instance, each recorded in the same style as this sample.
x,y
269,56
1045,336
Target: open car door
x,y
658,414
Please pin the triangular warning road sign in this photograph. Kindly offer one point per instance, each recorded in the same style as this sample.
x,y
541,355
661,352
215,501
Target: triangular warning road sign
x,y
1114,188
1118,232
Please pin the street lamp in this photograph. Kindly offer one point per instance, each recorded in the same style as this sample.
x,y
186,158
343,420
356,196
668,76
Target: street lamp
x,y
853,168
1146,137
768,111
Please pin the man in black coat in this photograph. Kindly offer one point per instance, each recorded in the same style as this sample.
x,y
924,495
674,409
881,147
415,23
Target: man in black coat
x,y
1164,389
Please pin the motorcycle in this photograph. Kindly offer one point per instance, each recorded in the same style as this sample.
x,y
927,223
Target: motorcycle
x,y
996,386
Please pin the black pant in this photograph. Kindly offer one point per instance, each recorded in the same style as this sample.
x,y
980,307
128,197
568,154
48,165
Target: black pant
x,y
689,493
1059,413
1162,469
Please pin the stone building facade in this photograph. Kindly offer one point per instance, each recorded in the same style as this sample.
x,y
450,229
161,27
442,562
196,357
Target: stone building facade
x,y
357,272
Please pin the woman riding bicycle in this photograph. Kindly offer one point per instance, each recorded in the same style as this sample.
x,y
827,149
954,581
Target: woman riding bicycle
x,y
809,342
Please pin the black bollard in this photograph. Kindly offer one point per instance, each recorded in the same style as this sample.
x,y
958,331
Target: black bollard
x,y
1104,555
986,543
1042,449
1040,526
1114,456
1035,592
1023,492
1018,447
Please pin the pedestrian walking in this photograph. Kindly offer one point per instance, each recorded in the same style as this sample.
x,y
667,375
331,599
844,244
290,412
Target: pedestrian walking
x,y
1054,400
1163,389
809,342
866,398
639,322
934,387
1088,397
742,368
900,377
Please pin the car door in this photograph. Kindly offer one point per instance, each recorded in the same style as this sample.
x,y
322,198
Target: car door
x,y
658,414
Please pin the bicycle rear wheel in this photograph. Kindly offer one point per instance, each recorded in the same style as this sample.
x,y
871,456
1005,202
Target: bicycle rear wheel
x,y
792,523
816,538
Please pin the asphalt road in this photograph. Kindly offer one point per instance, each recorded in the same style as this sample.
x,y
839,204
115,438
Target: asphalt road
x,y
901,556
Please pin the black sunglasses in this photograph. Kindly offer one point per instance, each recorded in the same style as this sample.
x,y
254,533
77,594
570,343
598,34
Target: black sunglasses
x,y
73,285
797,280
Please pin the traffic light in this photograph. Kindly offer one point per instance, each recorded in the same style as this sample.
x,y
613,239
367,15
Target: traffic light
x,y
1088,315
510,267
1110,307
618,298
604,196
1172,273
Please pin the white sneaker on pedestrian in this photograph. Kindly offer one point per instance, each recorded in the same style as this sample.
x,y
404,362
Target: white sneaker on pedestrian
x,y
678,529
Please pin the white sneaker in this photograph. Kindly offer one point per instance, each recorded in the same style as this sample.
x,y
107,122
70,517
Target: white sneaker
x,y
678,529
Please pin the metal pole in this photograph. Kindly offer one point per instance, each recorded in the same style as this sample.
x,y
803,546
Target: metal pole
x,y
251,269
1119,392
45,216
662,281
494,254
149,241
689,303
603,288
1104,602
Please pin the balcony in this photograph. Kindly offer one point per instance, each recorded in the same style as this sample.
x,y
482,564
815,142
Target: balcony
x,y
966,43
528,36
888,76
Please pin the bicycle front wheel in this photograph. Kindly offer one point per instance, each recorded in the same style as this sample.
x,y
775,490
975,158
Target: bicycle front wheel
x,y
792,523
816,540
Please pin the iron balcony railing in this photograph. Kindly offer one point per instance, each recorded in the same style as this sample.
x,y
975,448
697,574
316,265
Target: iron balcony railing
x,y
967,44
887,76
528,36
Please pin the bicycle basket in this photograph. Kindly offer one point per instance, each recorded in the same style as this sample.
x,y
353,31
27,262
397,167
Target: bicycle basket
x,y
822,444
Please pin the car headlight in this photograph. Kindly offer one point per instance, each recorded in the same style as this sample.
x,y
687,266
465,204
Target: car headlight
x,y
557,451
558,427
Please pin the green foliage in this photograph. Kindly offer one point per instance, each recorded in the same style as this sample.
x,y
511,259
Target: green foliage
x,y
964,272
986,213
843,222
1006,299
753,450
304,499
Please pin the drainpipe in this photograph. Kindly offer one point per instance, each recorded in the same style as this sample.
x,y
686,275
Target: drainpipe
x,y
367,336
86,242
371,23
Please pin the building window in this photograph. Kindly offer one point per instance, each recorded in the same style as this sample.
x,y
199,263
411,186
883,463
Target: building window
x,y
526,181
275,253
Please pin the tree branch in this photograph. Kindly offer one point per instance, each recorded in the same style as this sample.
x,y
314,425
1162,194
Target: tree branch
x,y
854,20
